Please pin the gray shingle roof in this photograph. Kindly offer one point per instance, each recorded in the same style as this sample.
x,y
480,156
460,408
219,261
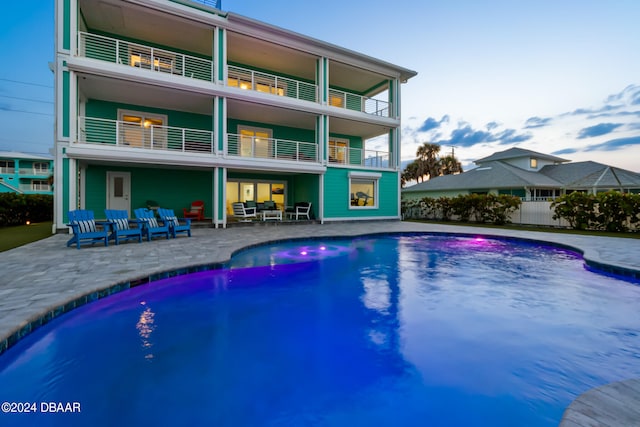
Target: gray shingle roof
x,y
490,175
514,153
591,174
501,175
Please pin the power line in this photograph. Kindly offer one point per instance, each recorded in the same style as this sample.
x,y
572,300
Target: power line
x,y
25,111
25,83
26,99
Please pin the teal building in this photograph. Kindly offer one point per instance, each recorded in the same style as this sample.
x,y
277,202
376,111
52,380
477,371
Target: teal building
x,y
177,101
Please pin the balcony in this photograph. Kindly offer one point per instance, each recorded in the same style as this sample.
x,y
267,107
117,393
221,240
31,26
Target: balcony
x,y
351,101
36,186
130,54
359,157
34,172
268,83
271,148
134,135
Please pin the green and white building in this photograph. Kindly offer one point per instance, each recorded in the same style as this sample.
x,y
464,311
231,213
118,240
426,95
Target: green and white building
x,y
171,101
26,173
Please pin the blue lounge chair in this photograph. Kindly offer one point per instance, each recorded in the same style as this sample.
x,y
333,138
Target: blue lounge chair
x,y
150,225
85,228
121,226
168,216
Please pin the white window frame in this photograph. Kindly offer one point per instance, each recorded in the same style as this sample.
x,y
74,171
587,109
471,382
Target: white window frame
x,y
365,176
160,135
268,150
335,148
40,167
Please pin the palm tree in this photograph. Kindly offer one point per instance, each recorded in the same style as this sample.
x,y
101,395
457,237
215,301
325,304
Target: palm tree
x,y
449,165
410,173
427,160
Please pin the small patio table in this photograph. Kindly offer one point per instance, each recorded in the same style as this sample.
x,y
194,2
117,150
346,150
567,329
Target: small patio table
x,y
273,214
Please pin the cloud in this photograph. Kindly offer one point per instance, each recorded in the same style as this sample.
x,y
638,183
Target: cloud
x,y
565,151
614,144
492,125
597,130
630,95
432,123
466,136
536,122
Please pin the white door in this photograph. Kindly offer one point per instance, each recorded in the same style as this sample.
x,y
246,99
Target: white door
x,y
119,191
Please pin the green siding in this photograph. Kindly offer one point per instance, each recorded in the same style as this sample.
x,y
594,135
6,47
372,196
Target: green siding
x,y
65,103
176,192
65,190
221,48
417,195
279,132
520,192
337,197
109,110
66,32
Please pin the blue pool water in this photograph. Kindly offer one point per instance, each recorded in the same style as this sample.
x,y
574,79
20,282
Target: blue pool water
x,y
390,331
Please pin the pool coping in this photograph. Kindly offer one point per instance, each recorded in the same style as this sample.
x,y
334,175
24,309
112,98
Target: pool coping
x,y
609,255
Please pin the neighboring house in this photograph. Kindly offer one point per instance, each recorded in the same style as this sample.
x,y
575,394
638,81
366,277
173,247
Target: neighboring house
x,y
26,173
176,101
529,175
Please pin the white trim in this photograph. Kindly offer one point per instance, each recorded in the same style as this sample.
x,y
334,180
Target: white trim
x,y
365,175
361,218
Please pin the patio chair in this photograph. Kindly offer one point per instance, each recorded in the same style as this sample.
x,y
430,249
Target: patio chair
x,y
121,226
84,227
196,211
300,209
244,214
169,217
150,225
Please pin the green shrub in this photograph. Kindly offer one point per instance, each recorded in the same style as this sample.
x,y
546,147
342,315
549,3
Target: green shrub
x,y
486,208
609,211
16,209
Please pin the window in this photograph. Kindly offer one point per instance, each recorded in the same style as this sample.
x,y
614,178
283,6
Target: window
x,y
533,163
363,190
338,149
255,191
140,57
255,142
7,166
253,80
40,185
40,167
142,130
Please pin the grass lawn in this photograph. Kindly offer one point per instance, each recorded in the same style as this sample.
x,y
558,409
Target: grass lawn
x,y
12,237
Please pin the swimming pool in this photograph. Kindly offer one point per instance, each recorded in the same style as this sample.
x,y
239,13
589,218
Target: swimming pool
x,y
400,330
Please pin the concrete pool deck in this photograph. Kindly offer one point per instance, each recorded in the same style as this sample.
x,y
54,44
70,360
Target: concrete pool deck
x,y
41,280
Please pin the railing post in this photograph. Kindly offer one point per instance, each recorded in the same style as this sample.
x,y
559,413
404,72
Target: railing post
x,y
117,133
184,140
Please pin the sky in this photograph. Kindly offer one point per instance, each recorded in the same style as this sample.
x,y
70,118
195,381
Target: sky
x,y
558,77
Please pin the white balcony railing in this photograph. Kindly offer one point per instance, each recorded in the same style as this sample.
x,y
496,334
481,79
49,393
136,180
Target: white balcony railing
x,y
271,148
123,52
34,172
6,170
132,135
268,83
351,101
357,156
35,186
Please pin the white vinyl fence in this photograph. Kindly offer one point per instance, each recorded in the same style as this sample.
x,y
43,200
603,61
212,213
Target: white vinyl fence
x,y
536,213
